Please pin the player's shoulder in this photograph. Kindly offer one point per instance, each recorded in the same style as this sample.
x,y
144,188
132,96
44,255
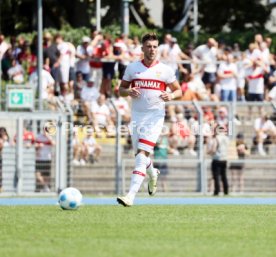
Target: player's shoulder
x,y
134,64
164,66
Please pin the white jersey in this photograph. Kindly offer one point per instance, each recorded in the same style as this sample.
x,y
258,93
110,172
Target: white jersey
x,y
101,112
208,56
83,64
89,94
266,125
150,81
148,110
47,80
255,77
231,82
44,153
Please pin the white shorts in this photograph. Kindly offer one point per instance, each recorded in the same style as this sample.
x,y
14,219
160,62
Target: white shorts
x,y
241,83
91,149
145,129
64,74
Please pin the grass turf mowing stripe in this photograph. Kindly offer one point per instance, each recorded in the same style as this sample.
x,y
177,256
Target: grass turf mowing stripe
x,y
142,230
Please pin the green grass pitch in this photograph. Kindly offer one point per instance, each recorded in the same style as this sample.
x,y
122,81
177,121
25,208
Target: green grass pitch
x,y
149,230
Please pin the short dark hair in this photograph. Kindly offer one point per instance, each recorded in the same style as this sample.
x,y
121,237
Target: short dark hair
x,y
149,36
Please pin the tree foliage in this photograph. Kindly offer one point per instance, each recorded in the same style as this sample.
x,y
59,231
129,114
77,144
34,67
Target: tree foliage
x,y
172,13
214,15
239,15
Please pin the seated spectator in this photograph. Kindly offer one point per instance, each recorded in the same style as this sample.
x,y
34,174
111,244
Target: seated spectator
x,y
180,136
101,116
16,72
89,95
222,116
208,114
79,85
122,106
194,89
208,125
4,138
265,133
91,149
77,149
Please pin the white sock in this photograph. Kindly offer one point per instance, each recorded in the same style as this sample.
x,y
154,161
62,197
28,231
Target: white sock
x,y
149,166
151,171
138,175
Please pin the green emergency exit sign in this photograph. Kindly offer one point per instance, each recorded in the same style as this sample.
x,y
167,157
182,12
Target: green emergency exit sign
x,y
21,98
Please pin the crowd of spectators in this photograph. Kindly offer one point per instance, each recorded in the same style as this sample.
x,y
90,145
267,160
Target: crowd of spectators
x,y
87,76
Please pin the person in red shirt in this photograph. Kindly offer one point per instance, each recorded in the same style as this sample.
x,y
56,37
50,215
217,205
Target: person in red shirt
x,y
28,138
181,136
96,65
43,144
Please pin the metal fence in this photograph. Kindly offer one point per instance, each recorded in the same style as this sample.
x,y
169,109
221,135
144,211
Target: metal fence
x,y
37,158
188,174
19,164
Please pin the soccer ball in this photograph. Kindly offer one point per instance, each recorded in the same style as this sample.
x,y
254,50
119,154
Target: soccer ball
x,y
70,198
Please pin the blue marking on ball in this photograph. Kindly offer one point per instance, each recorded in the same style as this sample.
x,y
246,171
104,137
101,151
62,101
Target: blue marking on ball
x,y
73,205
63,197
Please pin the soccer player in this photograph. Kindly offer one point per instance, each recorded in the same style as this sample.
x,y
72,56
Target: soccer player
x,y
145,82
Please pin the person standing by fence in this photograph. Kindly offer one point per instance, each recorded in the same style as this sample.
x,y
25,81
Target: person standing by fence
x,y
218,148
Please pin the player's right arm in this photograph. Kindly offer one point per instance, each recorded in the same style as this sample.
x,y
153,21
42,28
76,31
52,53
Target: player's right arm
x,y
126,90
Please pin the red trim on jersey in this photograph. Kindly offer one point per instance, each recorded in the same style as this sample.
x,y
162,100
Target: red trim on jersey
x,y
153,64
136,172
227,72
43,142
149,84
256,76
101,113
146,142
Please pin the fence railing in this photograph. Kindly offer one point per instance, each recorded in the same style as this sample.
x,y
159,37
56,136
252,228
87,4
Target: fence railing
x,y
199,166
53,160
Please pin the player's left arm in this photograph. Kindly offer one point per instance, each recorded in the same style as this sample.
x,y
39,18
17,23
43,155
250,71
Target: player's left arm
x,y
174,94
